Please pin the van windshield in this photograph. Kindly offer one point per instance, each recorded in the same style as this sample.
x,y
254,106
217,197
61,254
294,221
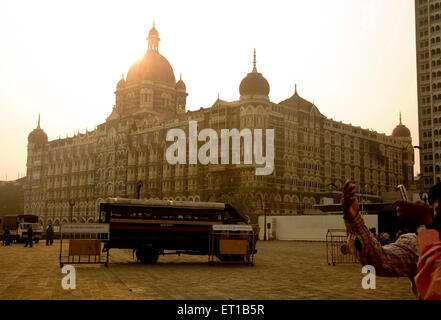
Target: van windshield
x,y
27,225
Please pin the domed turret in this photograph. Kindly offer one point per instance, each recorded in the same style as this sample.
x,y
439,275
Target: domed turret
x,y
121,83
401,131
254,83
180,85
153,32
37,136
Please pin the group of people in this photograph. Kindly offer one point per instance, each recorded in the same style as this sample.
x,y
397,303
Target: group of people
x,y
416,254
29,236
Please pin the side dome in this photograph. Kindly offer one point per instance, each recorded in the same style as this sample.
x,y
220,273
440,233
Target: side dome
x,y
121,83
37,136
401,131
254,83
180,85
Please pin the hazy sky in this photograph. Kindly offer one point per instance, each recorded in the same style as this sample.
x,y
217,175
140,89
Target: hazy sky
x,y
354,58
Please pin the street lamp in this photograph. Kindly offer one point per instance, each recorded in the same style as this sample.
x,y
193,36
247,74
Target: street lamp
x,y
138,188
264,224
71,204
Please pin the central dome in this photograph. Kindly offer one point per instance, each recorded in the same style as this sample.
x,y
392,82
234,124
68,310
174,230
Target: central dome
x,y
152,66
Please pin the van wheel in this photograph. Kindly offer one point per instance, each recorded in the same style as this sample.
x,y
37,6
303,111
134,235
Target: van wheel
x,y
147,255
36,241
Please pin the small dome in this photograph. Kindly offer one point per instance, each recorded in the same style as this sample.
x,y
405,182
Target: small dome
x,y
180,85
254,83
121,83
401,131
37,136
153,32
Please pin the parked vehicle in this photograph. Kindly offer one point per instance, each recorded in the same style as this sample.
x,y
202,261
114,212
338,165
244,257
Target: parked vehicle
x,y
10,221
155,227
22,231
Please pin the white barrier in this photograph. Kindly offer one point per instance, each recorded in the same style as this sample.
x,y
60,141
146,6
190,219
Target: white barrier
x,y
306,227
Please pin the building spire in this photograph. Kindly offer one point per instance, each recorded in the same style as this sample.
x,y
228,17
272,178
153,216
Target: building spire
x,y
38,126
254,61
180,76
295,88
400,118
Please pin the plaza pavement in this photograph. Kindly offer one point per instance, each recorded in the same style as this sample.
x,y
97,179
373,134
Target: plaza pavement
x,y
282,270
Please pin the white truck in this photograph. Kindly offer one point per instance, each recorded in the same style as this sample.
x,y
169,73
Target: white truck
x,y
22,231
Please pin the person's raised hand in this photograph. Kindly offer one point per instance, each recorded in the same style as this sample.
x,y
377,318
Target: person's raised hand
x,y
349,201
414,214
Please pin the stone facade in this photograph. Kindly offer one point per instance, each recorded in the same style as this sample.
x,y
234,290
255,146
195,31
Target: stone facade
x,y
72,176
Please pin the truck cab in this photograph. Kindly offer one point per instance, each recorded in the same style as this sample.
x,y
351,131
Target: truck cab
x,y
22,231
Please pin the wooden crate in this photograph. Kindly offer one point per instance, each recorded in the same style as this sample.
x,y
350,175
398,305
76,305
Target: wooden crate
x,y
227,246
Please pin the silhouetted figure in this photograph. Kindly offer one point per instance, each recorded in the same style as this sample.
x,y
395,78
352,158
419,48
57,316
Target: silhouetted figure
x,y
6,235
49,235
30,236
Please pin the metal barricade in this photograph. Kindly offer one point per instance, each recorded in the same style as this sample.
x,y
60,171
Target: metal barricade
x,y
232,244
84,244
337,248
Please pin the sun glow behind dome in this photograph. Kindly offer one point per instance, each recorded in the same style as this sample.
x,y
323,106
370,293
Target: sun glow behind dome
x,y
61,63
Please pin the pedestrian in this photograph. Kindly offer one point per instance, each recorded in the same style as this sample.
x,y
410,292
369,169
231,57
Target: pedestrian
x,y
29,236
6,235
49,235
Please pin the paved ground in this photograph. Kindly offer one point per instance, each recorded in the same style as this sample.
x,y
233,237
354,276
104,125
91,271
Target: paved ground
x,y
282,270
